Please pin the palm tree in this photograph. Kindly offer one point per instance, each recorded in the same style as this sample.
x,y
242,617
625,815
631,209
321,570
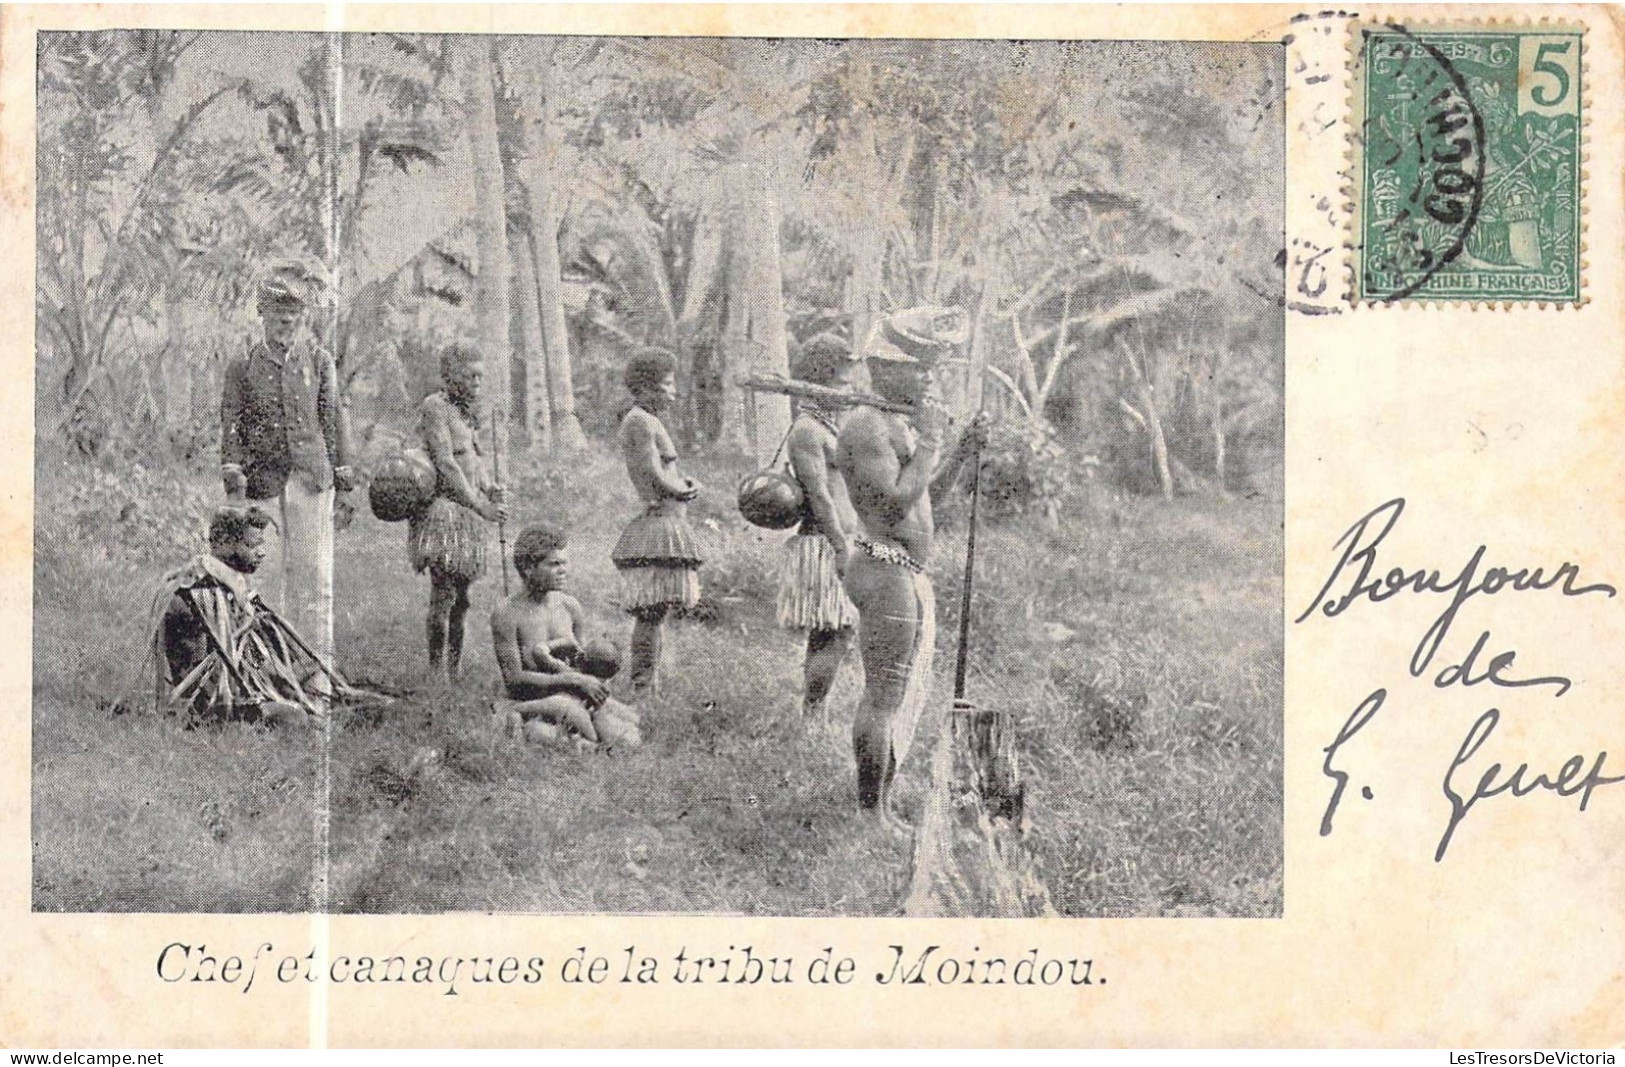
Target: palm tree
x,y
491,308
525,113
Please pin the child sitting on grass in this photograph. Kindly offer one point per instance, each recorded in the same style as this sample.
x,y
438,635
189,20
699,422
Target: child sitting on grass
x,y
552,680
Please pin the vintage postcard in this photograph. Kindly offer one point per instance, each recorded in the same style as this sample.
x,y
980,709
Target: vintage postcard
x,y
717,525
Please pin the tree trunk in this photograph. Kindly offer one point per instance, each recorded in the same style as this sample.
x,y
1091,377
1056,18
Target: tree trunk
x,y
734,354
863,299
978,350
863,287
490,229
175,370
1159,443
538,411
760,283
538,185
1216,417
699,331
544,246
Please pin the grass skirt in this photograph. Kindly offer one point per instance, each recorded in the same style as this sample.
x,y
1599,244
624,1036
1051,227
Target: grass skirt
x,y
659,537
659,559
650,586
448,539
810,593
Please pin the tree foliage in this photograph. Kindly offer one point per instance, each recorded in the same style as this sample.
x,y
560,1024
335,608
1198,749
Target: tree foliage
x,y
1109,213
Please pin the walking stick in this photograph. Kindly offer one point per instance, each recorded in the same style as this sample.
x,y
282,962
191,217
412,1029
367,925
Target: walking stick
x,y
991,736
963,658
496,472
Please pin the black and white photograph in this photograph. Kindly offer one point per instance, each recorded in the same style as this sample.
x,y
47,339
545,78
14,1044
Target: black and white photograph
x,y
612,475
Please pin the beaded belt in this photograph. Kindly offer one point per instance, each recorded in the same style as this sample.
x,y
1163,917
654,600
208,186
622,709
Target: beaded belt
x,y
888,554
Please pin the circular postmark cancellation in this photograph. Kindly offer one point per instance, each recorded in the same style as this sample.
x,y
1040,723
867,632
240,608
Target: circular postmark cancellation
x,y
1424,145
1468,176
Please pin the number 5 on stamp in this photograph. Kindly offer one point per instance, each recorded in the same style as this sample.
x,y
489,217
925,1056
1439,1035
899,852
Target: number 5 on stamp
x,y
1549,75
1468,164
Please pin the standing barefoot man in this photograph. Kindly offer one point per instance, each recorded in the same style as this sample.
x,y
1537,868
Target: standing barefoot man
x,y
891,464
811,597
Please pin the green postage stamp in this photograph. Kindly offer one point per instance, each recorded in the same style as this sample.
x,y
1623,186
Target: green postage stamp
x,y
1469,165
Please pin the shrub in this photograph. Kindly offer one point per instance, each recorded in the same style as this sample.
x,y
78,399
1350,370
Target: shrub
x,y
143,514
1025,471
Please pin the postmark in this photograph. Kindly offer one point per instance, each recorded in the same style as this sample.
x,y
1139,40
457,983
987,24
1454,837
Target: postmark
x,y
1468,164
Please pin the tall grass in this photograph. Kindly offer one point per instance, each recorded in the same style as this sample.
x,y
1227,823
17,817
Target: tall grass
x,y
1139,646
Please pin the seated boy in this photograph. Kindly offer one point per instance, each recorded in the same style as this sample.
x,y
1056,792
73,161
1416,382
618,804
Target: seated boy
x,y
551,678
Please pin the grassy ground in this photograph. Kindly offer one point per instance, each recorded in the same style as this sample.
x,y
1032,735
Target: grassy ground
x,y
1139,647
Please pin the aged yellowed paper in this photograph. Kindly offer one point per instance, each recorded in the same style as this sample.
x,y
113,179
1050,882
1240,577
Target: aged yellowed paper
x,y
1273,357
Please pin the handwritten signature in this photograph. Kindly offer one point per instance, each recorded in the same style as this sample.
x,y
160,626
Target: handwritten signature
x,y
1357,577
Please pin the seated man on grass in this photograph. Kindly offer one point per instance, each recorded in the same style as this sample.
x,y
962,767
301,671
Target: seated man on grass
x,y
220,651
553,681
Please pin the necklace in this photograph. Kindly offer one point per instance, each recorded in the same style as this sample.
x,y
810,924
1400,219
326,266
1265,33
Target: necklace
x,y
824,419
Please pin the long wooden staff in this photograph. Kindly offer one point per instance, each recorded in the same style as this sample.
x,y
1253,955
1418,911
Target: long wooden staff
x,y
496,473
963,658
989,732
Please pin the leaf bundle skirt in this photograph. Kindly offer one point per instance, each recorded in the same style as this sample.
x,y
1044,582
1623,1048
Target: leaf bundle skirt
x,y
447,539
811,596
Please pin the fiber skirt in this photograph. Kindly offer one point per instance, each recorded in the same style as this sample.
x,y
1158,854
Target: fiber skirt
x,y
447,539
810,593
659,560
649,586
660,537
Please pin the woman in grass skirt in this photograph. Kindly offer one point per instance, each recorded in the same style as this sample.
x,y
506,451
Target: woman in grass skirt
x,y
447,538
657,555
811,597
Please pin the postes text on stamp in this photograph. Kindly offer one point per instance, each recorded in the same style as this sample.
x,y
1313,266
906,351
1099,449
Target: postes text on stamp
x,y
1468,175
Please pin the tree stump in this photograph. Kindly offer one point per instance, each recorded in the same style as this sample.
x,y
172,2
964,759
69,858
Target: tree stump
x,y
985,740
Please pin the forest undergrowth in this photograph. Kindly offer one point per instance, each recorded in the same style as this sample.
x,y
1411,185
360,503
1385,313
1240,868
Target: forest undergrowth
x,y
1137,642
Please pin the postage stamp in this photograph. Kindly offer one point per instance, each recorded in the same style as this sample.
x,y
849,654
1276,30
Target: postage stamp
x,y
1469,164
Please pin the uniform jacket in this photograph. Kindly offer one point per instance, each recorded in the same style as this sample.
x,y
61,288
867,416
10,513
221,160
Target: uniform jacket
x,y
281,416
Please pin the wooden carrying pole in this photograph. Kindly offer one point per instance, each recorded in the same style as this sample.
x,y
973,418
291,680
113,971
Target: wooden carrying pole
x,y
821,394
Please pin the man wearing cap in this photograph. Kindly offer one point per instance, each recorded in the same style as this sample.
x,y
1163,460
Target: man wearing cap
x,y
891,464
811,597
284,438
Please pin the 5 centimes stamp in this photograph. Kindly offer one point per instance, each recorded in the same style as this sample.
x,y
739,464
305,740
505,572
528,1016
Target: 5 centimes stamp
x,y
1468,175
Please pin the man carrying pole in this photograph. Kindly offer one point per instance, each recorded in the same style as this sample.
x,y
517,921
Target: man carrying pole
x,y
892,463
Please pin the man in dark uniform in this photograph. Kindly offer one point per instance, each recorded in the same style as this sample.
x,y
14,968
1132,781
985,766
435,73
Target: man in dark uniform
x,y
285,441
